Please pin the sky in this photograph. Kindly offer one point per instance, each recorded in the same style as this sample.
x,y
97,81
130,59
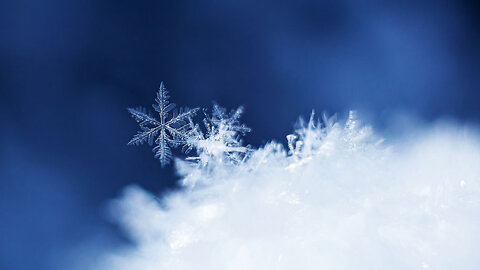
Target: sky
x,y
69,70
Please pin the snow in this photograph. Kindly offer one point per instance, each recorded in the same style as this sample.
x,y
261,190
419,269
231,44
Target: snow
x,y
338,197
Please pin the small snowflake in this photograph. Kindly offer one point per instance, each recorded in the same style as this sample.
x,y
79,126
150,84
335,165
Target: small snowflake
x,y
166,132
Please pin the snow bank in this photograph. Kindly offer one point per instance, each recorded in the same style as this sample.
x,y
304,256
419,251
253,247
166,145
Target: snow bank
x,y
336,198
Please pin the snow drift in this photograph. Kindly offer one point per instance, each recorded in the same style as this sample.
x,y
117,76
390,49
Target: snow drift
x,y
336,198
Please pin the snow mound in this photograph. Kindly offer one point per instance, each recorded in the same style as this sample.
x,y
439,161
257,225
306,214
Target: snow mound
x,y
336,198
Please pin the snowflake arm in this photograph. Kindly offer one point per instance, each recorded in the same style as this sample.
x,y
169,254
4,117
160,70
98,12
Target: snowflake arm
x,y
163,106
147,134
141,116
162,151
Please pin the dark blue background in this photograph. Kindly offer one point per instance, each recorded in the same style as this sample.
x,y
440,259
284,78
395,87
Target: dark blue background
x,y
68,70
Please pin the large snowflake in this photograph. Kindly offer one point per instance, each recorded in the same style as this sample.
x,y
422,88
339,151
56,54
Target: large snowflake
x,y
221,141
168,131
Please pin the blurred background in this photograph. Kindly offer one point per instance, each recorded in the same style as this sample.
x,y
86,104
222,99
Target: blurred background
x,y
69,70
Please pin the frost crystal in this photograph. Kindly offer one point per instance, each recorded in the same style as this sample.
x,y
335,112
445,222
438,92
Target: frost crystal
x,y
166,132
219,149
319,137
221,141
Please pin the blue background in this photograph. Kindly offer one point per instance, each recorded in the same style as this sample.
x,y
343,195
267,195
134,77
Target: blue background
x,y
68,70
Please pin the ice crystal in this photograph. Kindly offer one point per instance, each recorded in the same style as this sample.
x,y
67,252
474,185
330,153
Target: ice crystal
x,y
168,131
219,146
319,136
221,139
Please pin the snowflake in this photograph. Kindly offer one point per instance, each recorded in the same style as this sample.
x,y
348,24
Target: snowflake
x,y
166,132
221,141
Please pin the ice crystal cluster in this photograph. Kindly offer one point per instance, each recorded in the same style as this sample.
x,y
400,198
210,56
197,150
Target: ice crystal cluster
x,y
336,197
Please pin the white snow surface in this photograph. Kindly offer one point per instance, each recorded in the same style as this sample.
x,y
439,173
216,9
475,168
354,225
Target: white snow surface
x,y
339,198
